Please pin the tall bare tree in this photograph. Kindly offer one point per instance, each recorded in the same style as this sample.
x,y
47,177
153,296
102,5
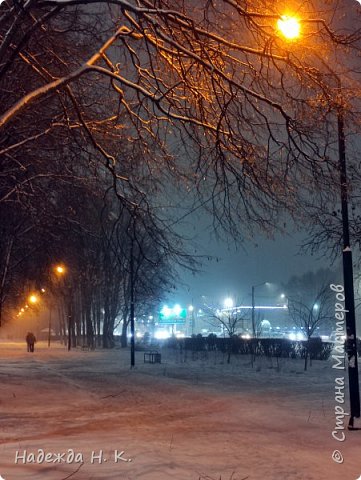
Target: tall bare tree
x,y
310,304
231,320
254,113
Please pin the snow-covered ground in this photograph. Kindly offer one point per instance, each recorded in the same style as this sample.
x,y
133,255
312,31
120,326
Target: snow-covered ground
x,y
185,419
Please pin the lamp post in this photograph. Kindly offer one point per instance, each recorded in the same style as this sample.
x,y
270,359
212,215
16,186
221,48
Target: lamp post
x,y
132,280
60,270
49,327
351,339
132,305
191,310
254,307
285,26
33,301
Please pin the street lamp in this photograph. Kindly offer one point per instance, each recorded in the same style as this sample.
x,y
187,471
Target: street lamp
x,y
191,310
289,27
254,306
228,303
59,271
351,339
33,299
62,271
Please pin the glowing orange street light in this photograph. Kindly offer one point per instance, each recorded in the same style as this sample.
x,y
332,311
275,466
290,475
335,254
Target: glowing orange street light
x,y
289,27
33,299
60,269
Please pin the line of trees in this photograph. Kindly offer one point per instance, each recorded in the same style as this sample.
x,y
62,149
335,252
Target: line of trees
x,y
95,238
311,306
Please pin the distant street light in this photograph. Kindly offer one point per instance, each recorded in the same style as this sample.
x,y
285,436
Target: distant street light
x,y
228,303
254,307
33,299
351,338
59,269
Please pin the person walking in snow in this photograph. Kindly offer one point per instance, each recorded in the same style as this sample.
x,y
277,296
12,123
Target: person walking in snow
x,y
30,340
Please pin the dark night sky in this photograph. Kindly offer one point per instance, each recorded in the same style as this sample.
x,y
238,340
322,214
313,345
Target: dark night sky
x,y
273,261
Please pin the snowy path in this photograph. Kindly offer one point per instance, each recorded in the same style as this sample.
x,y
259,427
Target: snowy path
x,y
184,421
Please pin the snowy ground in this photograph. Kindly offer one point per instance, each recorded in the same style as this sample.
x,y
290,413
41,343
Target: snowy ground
x,y
198,419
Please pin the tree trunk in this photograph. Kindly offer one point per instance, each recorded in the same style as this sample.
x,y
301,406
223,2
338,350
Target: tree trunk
x,y
108,330
306,354
229,350
89,326
124,338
